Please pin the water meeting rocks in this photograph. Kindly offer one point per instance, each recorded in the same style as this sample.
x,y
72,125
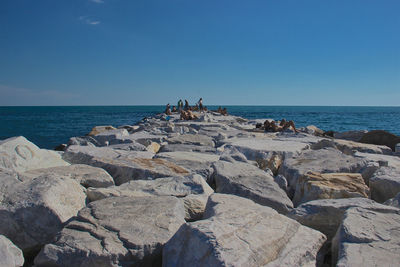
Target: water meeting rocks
x,y
238,232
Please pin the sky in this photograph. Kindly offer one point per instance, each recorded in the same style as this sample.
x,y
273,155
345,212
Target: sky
x,y
229,52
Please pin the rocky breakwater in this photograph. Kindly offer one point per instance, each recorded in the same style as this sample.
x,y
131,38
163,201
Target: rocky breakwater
x,y
214,191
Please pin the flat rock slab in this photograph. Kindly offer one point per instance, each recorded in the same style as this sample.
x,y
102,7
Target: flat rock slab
x,y
327,160
192,139
385,183
10,255
325,215
350,147
116,231
314,185
33,212
187,148
195,162
20,155
193,190
238,232
368,238
86,175
248,181
125,167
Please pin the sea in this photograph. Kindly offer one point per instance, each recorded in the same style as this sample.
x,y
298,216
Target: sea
x,y
49,126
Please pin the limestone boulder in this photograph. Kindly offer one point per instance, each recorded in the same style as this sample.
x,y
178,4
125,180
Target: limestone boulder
x,y
380,137
232,154
8,178
314,185
350,135
187,148
368,238
325,215
192,189
248,181
385,183
192,139
86,175
10,255
32,212
116,231
20,155
394,202
238,232
350,147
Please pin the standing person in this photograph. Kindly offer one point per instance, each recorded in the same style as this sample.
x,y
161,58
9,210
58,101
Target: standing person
x,y
168,109
180,105
187,107
200,103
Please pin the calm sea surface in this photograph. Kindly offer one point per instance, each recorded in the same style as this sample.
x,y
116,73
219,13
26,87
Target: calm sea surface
x,y
48,127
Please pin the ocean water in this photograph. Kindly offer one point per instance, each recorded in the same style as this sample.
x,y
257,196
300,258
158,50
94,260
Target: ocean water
x,y
48,127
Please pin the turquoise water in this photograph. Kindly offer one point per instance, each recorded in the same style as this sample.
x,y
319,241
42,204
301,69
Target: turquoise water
x,y
49,126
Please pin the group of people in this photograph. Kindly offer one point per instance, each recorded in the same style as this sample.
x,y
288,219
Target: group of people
x,y
279,126
186,110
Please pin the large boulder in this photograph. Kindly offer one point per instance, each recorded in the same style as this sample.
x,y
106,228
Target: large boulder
x,y
350,147
314,185
193,190
385,184
394,202
10,255
20,155
355,135
192,139
368,238
238,232
187,148
380,137
86,175
32,212
248,181
101,129
325,215
8,178
116,231
124,166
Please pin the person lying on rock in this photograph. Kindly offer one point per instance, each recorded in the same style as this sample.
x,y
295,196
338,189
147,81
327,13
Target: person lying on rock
x,y
188,115
283,126
168,109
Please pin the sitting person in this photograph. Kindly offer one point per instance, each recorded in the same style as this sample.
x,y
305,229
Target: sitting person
x,y
188,115
283,125
174,109
224,112
168,109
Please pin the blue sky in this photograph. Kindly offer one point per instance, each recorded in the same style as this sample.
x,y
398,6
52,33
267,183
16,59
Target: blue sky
x,y
230,52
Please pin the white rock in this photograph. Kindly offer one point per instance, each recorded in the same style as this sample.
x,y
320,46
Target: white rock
x,y
385,184
10,255
192,139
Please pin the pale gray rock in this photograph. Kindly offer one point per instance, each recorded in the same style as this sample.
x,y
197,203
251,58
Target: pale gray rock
x,y
368,238
281,181
192,139
146,138
350,147
248,181
382,160
8,178
32,212
194,162
192,189
10,254
113,137
124,166
325,215
350,135
327,160
385,184
187,148
232,154
116,231
86,175
394,202
20,155
238,232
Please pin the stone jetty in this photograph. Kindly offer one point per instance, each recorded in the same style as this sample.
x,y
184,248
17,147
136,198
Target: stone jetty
x,y
215,191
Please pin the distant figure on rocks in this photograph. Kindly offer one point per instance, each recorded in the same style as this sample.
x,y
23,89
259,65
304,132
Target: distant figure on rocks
x,y
174,109
283,125
187,107
222,111
200,103
180,105
188,115
168,109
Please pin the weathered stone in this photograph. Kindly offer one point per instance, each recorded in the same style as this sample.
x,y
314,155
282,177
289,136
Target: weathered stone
x,y
237,232
187,148
314,130
232,154
314,185
86,175
193,190
380,137
10,255
8,178
32,212
325,215
20,155
385,184
194,162
192,139
281,181
100,129
116,231
350,135
275,163
350,147
248,181
394,202
153,147
367,238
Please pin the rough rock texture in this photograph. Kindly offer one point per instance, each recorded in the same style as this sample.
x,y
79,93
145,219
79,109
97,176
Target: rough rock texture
x,y
84,174
248,181
18,154
33,212
193,190
8,178
394,202
194,162
231,154
349,147
124,167
379,137
325,215
314,185
327,160
187,148
116,231
192,139
10,255
350,135
368,238
385,184
238,232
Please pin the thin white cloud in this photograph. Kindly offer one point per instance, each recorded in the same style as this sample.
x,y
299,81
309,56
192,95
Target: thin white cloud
x,y
90,21
97,1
